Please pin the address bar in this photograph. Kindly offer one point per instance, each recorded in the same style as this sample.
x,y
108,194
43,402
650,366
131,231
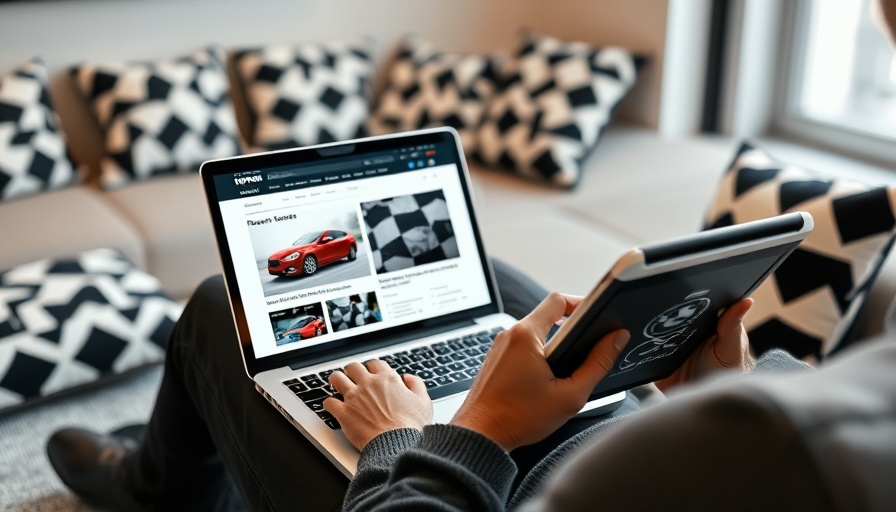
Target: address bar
x,y
323,168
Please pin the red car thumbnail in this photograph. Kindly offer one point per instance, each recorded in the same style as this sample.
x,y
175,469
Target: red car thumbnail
x,y
305,327
312,251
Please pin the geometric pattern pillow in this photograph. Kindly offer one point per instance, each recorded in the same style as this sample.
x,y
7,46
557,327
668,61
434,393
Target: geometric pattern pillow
x,y
428,88
407,231
33,155
65,322
160,117
809,304
556,99
306,94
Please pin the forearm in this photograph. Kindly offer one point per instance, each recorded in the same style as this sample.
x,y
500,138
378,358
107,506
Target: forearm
x,y
451,468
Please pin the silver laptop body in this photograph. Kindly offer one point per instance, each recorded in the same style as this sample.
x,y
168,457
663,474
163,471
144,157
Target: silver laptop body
x,y
352,251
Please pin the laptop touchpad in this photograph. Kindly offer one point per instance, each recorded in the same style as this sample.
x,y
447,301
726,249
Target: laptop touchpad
x,y
443,409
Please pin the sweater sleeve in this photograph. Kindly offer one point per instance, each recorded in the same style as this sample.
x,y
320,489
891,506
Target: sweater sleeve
x,y
451,468
375,464
726,445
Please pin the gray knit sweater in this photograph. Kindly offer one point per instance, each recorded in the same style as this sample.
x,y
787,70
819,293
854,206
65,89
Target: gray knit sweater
x,y
758,443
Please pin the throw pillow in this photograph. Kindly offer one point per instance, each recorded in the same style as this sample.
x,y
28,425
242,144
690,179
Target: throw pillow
x,y
33,155
556,99
809,304
429,88
70,321
306,94
160,117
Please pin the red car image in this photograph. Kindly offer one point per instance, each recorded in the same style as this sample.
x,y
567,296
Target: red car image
x,y
312,251
304,327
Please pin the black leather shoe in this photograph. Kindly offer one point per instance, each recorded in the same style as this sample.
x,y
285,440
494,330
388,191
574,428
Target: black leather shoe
x,y
90,465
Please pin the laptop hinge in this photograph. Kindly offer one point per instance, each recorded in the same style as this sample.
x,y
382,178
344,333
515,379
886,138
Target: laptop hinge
x,y
367,347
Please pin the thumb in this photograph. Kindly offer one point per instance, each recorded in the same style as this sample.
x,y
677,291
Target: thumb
x,y
728,348
334,406
731,319
414,383
551,309
599,362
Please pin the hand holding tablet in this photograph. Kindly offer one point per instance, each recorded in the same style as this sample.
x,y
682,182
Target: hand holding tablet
x,y
669,296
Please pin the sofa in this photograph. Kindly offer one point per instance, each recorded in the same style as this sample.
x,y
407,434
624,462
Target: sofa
x,y
638,186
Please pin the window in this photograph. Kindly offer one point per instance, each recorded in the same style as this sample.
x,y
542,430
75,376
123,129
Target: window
x,y
840,84
307,238
303,322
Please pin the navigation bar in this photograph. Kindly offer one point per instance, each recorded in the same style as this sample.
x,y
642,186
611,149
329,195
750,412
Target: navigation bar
x,y
338,170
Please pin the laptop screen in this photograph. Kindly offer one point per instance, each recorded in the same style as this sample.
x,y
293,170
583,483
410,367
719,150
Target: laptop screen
x,y
337,248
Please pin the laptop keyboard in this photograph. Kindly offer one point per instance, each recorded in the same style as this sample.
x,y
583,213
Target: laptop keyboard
x,y
446,367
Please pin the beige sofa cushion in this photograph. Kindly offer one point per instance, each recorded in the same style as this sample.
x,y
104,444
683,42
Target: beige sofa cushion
x,y
526,225
63,223
636,188
172,217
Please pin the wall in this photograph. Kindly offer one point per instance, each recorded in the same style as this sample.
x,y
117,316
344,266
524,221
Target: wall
x,y
639,25
66,32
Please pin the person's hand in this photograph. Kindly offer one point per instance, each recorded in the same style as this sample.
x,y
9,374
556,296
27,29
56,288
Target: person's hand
x,y
377,400
728,348
516,399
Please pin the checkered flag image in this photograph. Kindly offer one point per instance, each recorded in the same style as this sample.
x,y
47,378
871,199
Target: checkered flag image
x,y
410,230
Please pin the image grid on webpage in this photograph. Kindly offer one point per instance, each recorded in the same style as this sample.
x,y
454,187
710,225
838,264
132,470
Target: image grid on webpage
x,y
336,260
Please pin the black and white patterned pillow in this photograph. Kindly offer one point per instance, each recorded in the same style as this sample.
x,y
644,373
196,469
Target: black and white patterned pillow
x,y
160,117
809,304
306,94
556,99
429,88
66,322
407,231
33,155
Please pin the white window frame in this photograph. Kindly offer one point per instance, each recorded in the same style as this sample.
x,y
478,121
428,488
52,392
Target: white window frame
x,y
789,122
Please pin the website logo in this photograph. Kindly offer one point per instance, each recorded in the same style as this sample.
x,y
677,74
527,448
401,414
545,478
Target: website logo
x,y
248,179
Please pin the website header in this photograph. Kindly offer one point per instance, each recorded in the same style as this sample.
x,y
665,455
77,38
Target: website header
x,y
332,170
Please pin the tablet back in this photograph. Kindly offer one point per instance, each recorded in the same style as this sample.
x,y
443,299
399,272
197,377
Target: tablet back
x,y
669,296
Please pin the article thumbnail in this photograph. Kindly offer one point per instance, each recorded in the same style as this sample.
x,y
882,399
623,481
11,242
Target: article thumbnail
x,y
407,231
298,323
354,311
296,251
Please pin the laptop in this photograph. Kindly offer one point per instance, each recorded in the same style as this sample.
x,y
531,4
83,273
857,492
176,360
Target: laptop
x,y
353,251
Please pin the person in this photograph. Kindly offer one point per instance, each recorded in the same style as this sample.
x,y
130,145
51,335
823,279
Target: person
x,y
821,440
793,440
209,422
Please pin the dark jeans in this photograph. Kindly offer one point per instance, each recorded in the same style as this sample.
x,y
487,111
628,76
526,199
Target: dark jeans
x,y
210,424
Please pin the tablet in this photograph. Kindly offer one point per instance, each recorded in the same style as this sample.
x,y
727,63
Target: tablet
x,y
669,296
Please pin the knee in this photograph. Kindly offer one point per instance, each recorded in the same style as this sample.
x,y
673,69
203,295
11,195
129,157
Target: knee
x,y
211,289
209,300
206,316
